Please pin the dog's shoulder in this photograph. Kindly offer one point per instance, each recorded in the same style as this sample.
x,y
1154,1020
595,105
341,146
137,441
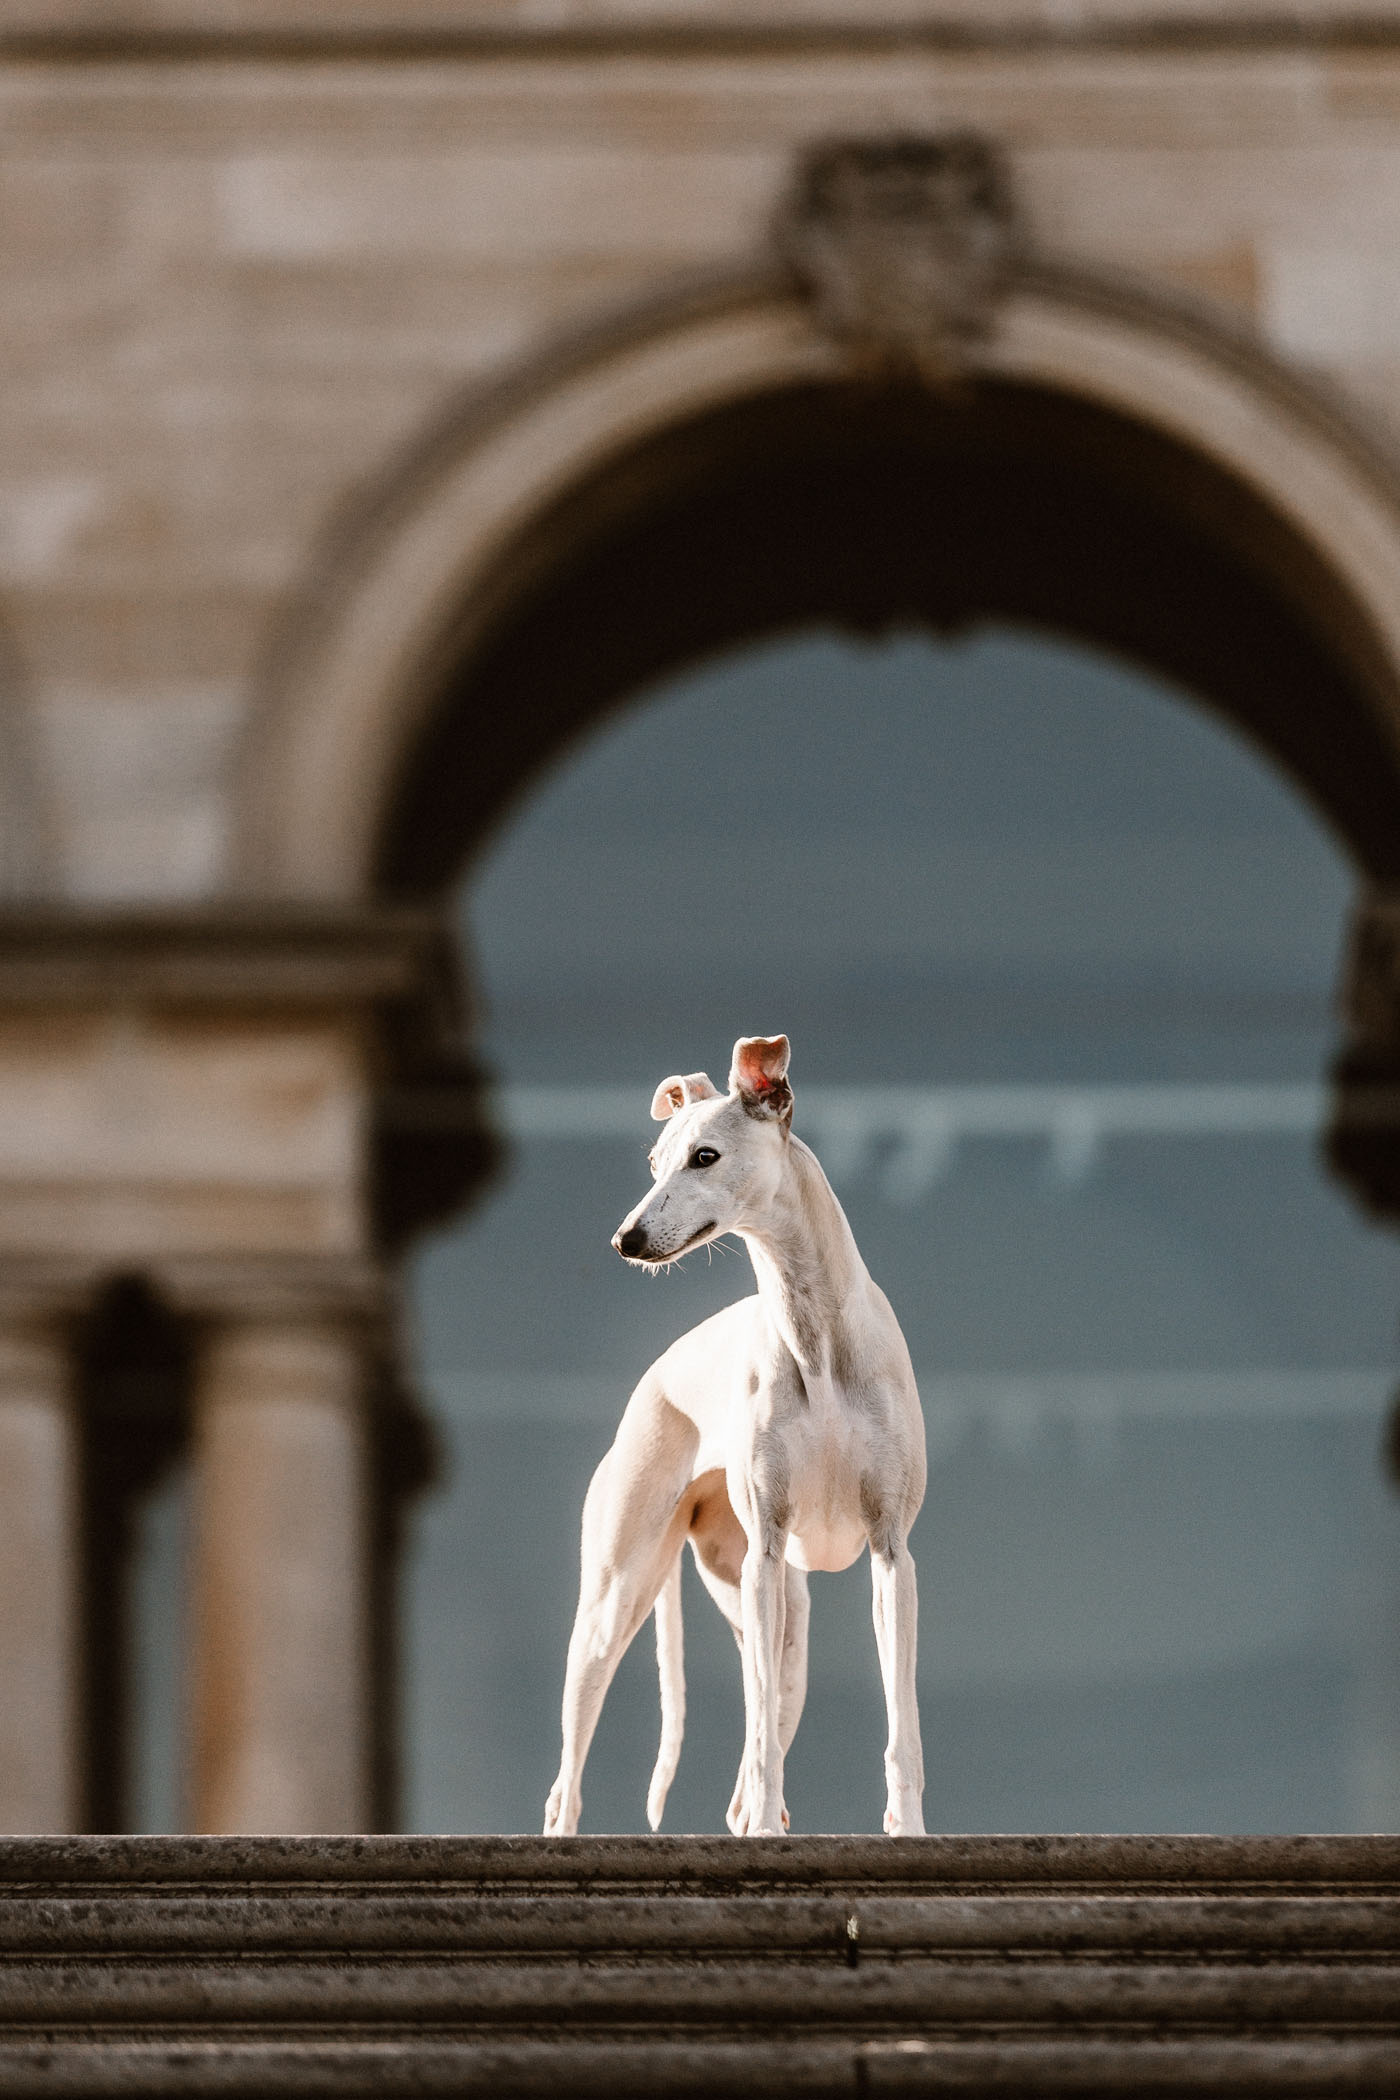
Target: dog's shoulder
x,y
721,1344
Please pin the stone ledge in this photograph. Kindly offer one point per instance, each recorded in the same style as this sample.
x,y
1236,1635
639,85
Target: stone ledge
x,y
224,31
255,956
642,2069
689,1865
699,1965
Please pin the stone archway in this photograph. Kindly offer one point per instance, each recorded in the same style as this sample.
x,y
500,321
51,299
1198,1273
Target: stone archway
x,y
869,506
734,455
1017,435
1255,549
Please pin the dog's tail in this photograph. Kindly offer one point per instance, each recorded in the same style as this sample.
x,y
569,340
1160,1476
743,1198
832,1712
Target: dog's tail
x,y
670,1663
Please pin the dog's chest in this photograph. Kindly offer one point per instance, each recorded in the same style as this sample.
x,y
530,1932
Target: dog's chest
x,y
825,1444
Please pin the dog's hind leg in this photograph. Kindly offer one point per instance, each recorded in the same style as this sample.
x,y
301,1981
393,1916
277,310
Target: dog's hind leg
x,y
792,1670
634,1520
896,1625
670,1668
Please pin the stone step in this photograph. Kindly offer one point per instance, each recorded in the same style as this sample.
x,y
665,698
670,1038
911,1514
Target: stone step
x,y
641,1966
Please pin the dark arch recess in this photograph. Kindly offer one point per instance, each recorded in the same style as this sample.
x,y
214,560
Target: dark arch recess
x,y
867,506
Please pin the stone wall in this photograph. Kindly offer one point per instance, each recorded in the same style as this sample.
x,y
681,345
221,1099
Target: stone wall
x,y
256,260
238,275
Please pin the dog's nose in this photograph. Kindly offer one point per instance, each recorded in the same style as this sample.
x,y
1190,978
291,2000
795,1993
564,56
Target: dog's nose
x,y
630,1241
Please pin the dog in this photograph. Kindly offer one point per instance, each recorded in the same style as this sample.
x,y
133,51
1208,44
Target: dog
x,y
781,1435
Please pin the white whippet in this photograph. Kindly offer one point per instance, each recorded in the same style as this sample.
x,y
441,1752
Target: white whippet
x,y
781,1435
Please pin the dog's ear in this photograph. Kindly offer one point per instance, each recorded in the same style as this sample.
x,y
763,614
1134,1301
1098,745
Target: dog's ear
x,y
675,1094
758,1075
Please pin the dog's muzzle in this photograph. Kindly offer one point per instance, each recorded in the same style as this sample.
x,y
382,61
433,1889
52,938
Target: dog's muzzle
x,y
635,1243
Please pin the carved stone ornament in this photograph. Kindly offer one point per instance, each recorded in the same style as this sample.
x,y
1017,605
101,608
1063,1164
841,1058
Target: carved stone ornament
x,y
903,245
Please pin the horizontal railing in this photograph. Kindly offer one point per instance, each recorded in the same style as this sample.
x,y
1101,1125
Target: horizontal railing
x,y
1011,1410
914,1132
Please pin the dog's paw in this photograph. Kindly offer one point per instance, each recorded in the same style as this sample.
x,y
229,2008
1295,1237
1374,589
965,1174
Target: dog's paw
x,y
904,1819
741,1823
560,1816
744,1824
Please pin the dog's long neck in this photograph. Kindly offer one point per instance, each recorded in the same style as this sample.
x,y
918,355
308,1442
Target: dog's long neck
x,y
807,1264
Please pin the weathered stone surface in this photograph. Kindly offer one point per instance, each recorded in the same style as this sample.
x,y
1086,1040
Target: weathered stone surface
x,y
438,22
39,1501
239,280
700,1965
180,1086
280,1652
261,261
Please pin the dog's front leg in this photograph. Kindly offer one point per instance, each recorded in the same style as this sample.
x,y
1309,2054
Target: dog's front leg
x,y
896,1637
792,1684
758,1808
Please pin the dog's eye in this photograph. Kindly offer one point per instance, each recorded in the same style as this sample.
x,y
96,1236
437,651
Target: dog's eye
x,y
705,1157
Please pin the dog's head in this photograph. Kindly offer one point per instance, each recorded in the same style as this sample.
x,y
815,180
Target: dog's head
x,y
717,1163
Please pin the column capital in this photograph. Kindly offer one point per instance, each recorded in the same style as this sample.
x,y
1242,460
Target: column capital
x,y
342,1291
47,1290
327,1290
390,975
265,958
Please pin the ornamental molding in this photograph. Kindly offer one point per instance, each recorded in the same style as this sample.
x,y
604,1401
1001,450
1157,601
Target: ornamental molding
x,y
903,246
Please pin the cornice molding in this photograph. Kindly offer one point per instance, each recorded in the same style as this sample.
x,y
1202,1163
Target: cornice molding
x,y
338,1290
279,41
343,1291
224,956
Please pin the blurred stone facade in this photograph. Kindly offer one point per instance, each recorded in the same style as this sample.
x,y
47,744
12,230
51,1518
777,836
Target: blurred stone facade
x,y
323,328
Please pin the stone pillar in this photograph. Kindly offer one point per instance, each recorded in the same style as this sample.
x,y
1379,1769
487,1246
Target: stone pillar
x,y
1363,1149
1363,1135
279,1628
40,1563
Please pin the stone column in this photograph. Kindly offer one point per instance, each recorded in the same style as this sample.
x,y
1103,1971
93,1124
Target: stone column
x,y
40,1573
279,1627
